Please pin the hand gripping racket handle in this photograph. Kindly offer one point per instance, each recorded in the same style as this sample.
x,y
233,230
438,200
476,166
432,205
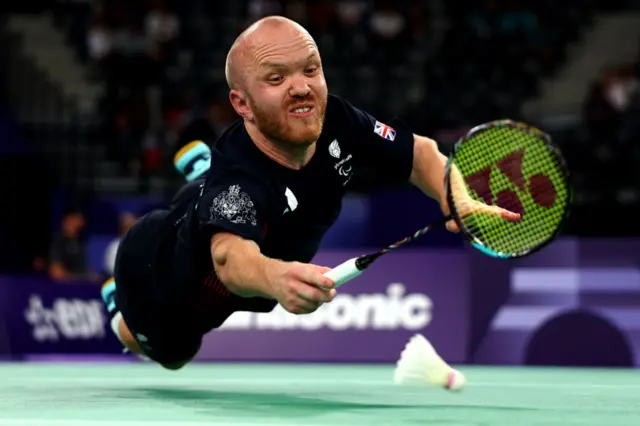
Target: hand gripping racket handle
x,y
344,272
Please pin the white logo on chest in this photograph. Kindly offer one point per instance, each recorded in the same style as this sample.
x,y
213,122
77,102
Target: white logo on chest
x,y
343,167
334,149
292,201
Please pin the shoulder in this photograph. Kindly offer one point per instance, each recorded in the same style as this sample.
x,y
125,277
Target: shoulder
x,y
345,119
339,108
233,182
226,169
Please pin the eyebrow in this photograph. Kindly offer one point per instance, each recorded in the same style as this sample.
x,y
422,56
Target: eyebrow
x,y
279,65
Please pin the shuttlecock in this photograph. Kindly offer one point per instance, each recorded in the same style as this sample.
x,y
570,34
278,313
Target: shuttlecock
x,y
420,364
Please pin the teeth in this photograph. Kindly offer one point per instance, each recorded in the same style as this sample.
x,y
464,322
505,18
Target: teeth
x,y
301,110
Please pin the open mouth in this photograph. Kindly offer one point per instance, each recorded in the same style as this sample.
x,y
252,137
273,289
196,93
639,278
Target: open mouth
x,y
302,110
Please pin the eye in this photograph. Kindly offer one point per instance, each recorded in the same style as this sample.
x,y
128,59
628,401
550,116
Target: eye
x,y
311,70
275,79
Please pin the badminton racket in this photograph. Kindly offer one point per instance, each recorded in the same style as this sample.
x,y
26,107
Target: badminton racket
x,y
508,189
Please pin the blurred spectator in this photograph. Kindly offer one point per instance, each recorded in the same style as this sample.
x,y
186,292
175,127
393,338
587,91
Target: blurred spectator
x,y
296,10
218,114
161,24
127,220
260,8
67,258
387,22
620,86
516,19
608,99
350,13
321,16
162,30
99,43
126,132
390,30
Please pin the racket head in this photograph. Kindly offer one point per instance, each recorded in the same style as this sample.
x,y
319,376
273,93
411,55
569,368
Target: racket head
x,y
517,167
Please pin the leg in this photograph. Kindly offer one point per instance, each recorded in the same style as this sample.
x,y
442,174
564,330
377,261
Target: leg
x,y
127,339
118,326
193,160
173,350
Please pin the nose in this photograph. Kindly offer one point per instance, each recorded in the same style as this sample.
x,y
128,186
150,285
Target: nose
x,y
299,88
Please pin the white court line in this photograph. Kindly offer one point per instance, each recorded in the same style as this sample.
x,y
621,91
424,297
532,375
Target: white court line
x,y
302,382
92,422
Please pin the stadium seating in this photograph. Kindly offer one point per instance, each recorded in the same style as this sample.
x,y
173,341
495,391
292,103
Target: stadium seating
x,y
452,71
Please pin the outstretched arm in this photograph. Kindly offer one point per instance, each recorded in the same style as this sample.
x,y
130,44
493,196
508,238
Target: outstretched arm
x,y
428,173
428,169
245,271
240,265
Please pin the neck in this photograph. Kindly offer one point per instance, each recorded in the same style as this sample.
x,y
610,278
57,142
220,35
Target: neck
x,y
288,155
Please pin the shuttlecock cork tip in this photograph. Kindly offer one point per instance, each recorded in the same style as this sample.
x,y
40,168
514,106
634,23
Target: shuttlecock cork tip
x,y
455,381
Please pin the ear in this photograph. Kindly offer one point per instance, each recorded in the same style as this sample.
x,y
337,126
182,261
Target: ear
x,y
240,104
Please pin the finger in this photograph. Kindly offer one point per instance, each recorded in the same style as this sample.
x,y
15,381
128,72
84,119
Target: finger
x,y
505,214
498,211
312,294
301,304
510,216
324,270
301,308
307,308
332,294
452,226
312,275
321,269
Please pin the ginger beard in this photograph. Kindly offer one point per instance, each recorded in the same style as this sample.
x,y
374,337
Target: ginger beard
x,y
281,127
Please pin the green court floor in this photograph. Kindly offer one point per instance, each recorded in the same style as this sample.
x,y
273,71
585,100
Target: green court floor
x,y
305,395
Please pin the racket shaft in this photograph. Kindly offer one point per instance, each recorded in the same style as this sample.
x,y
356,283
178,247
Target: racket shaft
x,y
349,270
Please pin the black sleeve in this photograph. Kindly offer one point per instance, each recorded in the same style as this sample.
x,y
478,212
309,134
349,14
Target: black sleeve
x,y
385,150
235,202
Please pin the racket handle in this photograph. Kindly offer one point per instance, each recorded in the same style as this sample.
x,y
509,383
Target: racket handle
x,y
344,272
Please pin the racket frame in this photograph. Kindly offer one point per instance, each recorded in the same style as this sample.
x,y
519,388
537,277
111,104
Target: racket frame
x,y
355,266
464,230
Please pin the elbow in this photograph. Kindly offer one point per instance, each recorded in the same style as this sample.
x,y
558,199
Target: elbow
x,y
426,148
228,254
220,258
426,157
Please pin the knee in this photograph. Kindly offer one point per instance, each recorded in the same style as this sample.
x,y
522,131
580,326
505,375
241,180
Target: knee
x,y
174,366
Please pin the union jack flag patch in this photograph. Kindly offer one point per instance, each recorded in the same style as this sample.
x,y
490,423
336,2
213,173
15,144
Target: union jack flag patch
x,y
384,131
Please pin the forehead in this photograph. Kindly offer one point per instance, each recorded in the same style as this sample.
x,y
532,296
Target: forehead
x,y
286,46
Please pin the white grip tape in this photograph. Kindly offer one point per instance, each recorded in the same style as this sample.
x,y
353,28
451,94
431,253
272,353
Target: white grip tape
x,y
344,272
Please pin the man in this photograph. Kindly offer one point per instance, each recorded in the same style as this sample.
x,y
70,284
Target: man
x,y
67,254
240,236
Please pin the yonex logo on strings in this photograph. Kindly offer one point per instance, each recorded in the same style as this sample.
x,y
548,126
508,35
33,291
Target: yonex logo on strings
x,y
539,186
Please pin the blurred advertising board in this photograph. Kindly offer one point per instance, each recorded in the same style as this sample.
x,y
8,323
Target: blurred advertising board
x,y
577,302
370,320
39,316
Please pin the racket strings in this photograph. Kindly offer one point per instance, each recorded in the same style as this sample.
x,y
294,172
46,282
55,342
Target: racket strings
x,y
515,169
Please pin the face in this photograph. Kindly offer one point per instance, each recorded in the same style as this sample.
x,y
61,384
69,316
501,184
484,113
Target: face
x,y
286,92
74,223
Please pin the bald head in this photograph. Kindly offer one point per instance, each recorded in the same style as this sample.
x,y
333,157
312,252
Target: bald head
x,y
274,71
251,40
